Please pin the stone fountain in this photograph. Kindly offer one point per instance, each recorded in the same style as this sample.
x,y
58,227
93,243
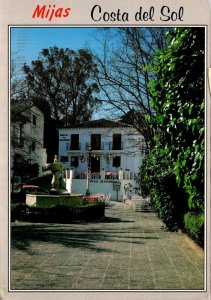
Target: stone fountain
x,y
57,169
58,195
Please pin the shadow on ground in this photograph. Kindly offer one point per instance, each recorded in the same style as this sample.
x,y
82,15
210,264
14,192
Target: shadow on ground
x,y
82,235
115,220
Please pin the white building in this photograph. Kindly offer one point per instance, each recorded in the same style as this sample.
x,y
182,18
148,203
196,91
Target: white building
x,y
111,150
27,134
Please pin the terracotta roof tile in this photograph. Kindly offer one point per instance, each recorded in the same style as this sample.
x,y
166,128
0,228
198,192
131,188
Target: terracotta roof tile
x,y
101,123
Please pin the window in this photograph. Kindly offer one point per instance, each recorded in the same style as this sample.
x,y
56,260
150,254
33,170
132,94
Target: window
x,y
74,161
74,141
17,139
64,159
34,120
117,141
33,146
96,141
116,161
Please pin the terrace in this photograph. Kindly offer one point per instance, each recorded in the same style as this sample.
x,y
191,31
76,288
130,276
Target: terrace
x,y
103,175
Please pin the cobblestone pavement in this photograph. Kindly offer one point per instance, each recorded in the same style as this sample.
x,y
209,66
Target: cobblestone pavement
x,y
126,251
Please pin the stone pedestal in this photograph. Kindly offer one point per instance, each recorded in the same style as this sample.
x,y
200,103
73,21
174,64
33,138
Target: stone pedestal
x,y
52,200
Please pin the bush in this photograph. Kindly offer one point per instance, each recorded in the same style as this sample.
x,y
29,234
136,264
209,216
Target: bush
x,y
58,213
178,100
194,226
169,202
158,180
173,173
18,211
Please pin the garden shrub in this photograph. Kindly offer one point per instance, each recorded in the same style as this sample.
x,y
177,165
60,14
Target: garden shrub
x,y
178,99
18,211
173,173
158,180
58,213
167,202
194,226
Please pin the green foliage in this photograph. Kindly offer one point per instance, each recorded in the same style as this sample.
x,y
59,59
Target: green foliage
x,y
24,169
178,98
194,225
173,173
18,211
42,181
57,213
157,179
65,79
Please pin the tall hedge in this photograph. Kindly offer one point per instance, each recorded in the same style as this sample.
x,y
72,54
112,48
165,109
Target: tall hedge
x,y
158,180
178,98
178,101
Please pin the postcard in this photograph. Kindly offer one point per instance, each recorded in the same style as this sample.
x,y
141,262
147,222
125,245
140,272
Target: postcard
x,y
105,149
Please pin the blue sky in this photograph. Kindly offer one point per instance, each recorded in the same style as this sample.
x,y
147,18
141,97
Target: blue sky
x,y
28,42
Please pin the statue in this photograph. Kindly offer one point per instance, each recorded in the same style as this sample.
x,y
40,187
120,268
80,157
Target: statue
x,y
57,181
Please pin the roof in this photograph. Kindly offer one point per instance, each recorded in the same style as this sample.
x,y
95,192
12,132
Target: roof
x,y
101,123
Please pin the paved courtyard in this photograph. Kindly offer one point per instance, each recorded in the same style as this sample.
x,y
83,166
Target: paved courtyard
x,y
126,251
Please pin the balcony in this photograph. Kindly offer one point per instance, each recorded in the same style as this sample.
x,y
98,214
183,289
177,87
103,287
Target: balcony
x,y
113,146
83,175
106,175
75,147
95,146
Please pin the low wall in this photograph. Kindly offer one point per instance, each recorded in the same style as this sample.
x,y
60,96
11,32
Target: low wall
x,y
102,185
96,186
52,200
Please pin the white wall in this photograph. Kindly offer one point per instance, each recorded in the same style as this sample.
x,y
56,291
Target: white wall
x,y
32,133
131,157
79,186
37,132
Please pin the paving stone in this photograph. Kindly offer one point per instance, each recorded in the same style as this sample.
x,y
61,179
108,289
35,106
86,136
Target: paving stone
x,y
126,251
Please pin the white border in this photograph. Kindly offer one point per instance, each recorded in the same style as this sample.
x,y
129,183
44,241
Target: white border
x,y
205,153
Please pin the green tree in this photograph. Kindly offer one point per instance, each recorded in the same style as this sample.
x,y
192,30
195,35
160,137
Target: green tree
x,y
157,179
178,99
64,78
173,172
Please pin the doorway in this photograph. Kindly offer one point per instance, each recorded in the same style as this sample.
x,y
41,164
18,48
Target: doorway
x,y
95,164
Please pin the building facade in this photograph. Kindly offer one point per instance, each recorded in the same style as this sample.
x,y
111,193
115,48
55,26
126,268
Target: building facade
x,y
109,150
27,137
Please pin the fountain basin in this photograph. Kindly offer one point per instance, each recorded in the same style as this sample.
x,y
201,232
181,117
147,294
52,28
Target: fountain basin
x,y
47,201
